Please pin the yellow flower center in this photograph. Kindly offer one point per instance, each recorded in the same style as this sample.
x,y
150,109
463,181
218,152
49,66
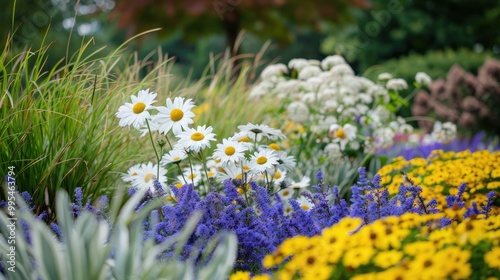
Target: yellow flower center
x,y
178,185
305,207
176,158
239,176
274,146
210,174
139,107
244,139
230,150
286,193
277,175
191,176
245,168
148,177
197,136
261,160
176,114
340,133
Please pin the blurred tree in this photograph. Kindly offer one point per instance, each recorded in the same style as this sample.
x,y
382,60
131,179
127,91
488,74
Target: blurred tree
x,y
62,24
395,28
266,18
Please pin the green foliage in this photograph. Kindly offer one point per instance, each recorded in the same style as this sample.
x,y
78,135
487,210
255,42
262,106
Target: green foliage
x,y
393,29
91,249
435,63
59,130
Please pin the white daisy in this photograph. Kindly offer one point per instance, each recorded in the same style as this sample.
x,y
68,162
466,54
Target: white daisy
x,y
285,194
278,176
137,112
263,160
195,139
230,151
287,209
132,173
243,138
152,125
174,156
304,183
146,176
176,116
285,161
229,172
305,203
193,177
342,134
255,132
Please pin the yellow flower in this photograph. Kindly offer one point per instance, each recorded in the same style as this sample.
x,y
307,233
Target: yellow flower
x,y
240,275
388,258
425,266
492,258
356,257
394,273
261,277
418,162
419,247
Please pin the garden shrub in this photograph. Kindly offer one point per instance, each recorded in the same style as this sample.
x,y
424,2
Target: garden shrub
x,y
465,99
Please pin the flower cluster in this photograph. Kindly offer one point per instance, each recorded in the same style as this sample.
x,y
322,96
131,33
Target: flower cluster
x,y
267,222
442,173
404,247
342,109
330,114
252,154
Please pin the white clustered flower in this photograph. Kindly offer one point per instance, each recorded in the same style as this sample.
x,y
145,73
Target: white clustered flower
x,y
298,64
261,89
423,79
333,151
272,71
384,76
297,112
397,84
331,61
309,72
384,138
342,70
444,132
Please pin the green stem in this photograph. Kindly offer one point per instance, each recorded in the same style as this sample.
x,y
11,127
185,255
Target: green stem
x,y
205,169
156,152
420,118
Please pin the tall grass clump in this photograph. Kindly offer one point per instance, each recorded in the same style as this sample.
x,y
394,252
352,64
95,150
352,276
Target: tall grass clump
x,y
57,126
58,129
